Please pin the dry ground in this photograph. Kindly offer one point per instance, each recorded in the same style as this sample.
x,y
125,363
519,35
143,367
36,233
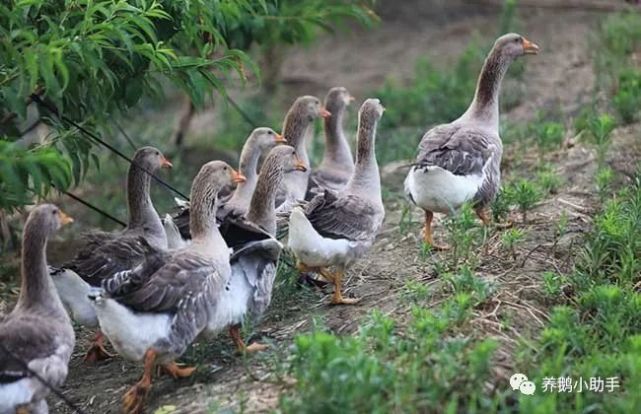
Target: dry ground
x,y
361,60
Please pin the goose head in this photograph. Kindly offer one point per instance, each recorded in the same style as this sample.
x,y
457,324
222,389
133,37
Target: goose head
x,y
309,108
513,45
46,219
285,156
211,178
151,159
371,111
338,99
264,139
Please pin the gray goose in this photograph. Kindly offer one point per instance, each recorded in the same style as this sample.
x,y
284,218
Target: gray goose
x,y
104,254
256,251
460,162
38,330
337,165
335,229
257,143
298,124
154,312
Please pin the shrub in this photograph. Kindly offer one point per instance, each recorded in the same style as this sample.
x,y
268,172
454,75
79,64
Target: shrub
x,y
525,195
627,99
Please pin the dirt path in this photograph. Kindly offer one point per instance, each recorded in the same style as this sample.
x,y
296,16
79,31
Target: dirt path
x,y
561,75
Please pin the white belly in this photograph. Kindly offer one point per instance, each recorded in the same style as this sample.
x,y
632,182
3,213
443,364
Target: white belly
x,y
231,305
313,249
131,334
14,394
438,190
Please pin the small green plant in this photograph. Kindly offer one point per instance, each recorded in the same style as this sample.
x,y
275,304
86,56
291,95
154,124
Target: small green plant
x,y
511,238
525,195
627,98
549,135
464,235
501,205
415,291
548,180
604,179
561,226
598,128
552,284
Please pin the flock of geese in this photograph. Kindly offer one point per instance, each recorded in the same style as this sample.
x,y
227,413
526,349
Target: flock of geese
x,y
157,286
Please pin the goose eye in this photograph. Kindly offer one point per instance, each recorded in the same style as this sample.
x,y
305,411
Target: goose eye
x,y
517,40
270,133
54,212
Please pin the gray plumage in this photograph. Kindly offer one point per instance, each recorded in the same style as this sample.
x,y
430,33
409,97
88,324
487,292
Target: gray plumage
x,y
38,331
103,254
464,151
337,165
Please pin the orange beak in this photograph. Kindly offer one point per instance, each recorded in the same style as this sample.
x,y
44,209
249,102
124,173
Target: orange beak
x,y
351,98
165,163
530,48
299,165
64,218
279,139
237,177
325,113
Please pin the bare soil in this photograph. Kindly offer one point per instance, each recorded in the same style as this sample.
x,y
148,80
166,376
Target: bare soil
x,y
561,76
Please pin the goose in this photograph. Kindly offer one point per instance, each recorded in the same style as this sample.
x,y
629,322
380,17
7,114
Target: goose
x,y
258,142
104,254
256,251
460,162
153,312
36,338
337,165
335,229
296,127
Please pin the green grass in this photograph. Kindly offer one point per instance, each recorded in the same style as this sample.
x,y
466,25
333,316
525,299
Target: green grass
x,y
424,364
617,75
599,332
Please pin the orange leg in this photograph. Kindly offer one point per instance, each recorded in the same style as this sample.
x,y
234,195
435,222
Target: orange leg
x,y
177,371
336,279
234,332
427,233
97,351
134,400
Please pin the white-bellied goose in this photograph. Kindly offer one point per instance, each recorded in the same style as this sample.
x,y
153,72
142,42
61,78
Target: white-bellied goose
x,y
256,251
258,142
337,165
460,162
104,254
298,124
155,311
336,229
38,331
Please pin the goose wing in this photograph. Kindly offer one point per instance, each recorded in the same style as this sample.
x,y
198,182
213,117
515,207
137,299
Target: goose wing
x,y
459,150
343,217
99,262
186,274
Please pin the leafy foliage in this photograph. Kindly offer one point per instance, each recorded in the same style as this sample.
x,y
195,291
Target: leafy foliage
x,y
95,60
